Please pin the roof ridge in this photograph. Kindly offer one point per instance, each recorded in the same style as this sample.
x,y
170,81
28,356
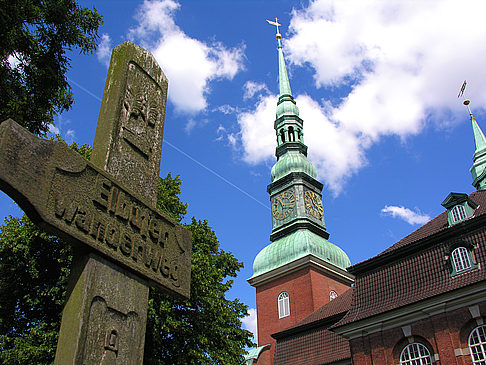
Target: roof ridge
x,y
435,225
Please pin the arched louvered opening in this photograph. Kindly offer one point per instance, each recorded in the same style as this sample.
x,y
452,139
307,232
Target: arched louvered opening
x,y
291,134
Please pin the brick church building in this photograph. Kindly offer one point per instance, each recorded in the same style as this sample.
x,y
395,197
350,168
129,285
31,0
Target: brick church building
x,y
421,301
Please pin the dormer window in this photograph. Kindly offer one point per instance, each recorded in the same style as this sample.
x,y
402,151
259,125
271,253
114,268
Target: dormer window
x,y
459,208
460,255
461,259
458,213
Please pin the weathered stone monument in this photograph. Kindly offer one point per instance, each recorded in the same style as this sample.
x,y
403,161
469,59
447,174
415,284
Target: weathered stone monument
x,y
106,209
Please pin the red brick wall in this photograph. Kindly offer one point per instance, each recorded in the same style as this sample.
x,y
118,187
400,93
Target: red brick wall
x,y
322,286
442,333
308,290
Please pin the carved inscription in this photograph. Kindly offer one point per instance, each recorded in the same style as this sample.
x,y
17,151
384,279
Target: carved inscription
x,y
111,340
114,222
111,335
141,111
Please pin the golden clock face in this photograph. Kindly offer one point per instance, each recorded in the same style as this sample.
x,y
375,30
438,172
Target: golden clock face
x,y
283,204
313,204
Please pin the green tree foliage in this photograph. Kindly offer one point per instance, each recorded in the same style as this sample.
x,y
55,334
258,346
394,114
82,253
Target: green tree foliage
x,y
33,275
34,269
205,329
168,200
34,38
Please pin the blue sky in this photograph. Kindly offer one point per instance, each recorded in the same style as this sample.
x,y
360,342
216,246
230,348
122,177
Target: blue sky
x,y
376,83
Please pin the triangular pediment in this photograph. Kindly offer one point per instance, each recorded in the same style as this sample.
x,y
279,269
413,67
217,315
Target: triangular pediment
x,y
457,198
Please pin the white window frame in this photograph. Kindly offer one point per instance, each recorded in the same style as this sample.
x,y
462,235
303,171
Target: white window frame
x,y
458,213
461,259
283,305
477,345
415,354
332,295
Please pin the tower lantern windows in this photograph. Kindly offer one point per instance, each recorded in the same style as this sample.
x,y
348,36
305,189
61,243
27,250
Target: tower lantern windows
x,y
282,135
291,134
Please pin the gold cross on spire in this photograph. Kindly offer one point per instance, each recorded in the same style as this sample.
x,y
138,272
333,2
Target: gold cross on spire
x,y
277,24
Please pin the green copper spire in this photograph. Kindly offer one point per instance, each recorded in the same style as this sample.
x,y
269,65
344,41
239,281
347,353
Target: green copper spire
x,y
286,105
479,138
478,169
283,79
298,225
288,126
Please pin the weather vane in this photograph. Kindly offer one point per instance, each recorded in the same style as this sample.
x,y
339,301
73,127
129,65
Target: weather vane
x,y
466,101
277,24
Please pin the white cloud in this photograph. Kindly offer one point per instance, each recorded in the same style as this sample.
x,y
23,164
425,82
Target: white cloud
x,y
62,128
232,139
256,131
250,323
334,151
226,109
406,214
252,88
408,60
403,64
69,136
189,64
191,123
224,136
103,53
53,129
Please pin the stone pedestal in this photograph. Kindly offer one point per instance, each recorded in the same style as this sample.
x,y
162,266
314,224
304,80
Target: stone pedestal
x,y
104,316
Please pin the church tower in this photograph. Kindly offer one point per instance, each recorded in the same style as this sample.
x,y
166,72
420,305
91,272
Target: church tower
x,y
300,270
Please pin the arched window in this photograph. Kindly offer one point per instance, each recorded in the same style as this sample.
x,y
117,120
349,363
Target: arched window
x,y
282,135
332,295
477,345
461,259
291,134
283,305
415,354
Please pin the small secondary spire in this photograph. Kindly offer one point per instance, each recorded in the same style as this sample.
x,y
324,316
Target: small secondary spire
x,y
478,169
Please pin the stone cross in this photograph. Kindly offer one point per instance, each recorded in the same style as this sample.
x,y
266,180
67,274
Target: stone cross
x,y
106,208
